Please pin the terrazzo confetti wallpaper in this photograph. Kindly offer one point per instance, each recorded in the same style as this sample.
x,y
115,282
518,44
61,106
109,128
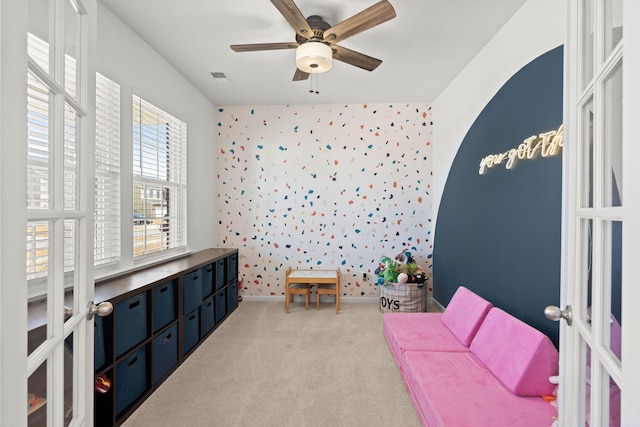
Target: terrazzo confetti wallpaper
x,y
322,187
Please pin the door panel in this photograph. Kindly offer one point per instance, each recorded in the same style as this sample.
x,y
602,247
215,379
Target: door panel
x,y
594,217
59,215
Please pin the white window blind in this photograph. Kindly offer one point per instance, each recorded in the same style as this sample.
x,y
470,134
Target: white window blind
x,y
159,179
107,179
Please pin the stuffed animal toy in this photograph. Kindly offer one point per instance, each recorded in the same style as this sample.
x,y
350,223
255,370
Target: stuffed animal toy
x,y
389,273
405,258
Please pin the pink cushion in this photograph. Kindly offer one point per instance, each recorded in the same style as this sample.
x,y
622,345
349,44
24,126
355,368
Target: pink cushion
x,y
455,389
520,356
417,331
464,314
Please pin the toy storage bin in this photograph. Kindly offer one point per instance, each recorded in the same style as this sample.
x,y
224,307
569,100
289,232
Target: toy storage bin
x,y
220,274
232,296
403,297
206,314
232,267
192,290
221,310
165,353
164,306
130,317
131,379
99,356
207,280
191,333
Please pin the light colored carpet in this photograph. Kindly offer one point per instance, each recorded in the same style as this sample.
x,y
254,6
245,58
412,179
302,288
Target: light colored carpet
x,y
263,367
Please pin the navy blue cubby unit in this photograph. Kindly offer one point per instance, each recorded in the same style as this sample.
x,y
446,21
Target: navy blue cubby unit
x,y
221,305
220,274
165,353
162,313
192,294
130,317
131,379
207,280
191,330
164,305
206,314
232,296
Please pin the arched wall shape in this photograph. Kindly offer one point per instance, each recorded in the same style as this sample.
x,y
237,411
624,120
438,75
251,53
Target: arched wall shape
x,y
498,233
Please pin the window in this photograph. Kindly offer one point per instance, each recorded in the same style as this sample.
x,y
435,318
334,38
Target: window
x,y
107,180
159,180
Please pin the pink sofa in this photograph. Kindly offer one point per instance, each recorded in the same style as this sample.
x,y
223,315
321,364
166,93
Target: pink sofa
x,y
494,375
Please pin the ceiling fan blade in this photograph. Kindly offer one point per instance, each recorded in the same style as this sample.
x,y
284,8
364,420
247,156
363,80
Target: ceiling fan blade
x,y
368,18
357,59
300,75
263,46
294,17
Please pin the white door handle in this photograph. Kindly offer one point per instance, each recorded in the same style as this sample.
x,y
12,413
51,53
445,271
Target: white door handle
x,y
103,309
554,313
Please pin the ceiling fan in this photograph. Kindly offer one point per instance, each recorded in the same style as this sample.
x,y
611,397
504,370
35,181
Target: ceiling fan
x,y
316,40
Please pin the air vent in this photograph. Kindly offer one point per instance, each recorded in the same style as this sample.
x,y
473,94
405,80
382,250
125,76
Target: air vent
x,y
220,77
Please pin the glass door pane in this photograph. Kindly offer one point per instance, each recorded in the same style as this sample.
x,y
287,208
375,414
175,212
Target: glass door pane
x,y
587,42
612,138
612,285
585,166
613,25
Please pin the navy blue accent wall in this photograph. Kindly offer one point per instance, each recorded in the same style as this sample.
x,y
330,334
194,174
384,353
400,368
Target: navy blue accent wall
x,y
498,234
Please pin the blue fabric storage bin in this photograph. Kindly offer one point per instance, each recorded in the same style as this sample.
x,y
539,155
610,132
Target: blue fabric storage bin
x,y
192,290
131,379
164,306
130,323
221,310
165,353
232,267
99,356
207,280
232,296
220,274
191,330
206,314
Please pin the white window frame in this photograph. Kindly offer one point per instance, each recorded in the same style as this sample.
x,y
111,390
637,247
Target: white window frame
x,y
159,167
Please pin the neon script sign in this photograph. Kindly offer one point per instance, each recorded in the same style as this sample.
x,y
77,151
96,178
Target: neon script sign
x,y
546,144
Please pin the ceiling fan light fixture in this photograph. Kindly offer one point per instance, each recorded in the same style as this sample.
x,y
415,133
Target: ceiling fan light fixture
x,y
314,57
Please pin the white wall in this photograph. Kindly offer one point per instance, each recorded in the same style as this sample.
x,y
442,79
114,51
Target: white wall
x,y
129,61
536,28
325,186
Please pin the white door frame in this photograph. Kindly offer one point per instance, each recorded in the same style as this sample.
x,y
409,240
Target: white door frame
x,y
13,158
631,246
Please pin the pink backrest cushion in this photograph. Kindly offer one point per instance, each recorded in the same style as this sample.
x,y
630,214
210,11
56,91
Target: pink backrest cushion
x,y
520,356
464,314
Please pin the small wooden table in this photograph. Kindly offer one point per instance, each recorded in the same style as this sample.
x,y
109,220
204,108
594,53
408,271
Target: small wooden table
x,y
307,277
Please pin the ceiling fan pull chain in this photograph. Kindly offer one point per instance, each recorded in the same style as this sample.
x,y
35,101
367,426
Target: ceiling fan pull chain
x,y
313,78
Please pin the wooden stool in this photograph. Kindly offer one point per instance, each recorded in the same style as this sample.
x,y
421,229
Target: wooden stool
x,y
294,288
329,289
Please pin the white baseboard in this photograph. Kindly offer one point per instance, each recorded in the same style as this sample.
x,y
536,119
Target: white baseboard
x,y
300,298
349,300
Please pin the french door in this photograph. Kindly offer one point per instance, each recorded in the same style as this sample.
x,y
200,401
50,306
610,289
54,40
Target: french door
x,y
46,246
599,382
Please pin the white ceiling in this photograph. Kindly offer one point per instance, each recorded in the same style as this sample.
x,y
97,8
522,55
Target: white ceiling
x,y
423,49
